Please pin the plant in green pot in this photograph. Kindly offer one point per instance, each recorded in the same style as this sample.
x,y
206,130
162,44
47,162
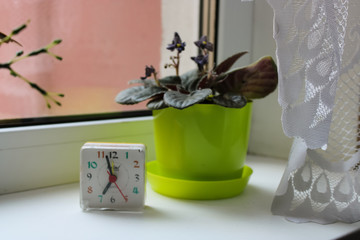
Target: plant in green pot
x,y
201,122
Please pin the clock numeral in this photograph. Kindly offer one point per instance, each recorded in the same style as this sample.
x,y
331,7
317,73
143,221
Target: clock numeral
x,y
101,154
127,155
135,190
112,199
101,197
90,190
137,177
89,175
113,155
92,165
136,164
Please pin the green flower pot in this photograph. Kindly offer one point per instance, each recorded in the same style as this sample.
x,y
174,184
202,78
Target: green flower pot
x,y
201,145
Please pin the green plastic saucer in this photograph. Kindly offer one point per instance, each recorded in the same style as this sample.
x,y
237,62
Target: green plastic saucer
x,y
192,189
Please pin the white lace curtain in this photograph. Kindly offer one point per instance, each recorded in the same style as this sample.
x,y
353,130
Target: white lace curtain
x,y
318,44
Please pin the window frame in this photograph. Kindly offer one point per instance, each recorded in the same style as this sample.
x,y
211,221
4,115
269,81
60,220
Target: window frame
x,y
45,151
23,122
47,155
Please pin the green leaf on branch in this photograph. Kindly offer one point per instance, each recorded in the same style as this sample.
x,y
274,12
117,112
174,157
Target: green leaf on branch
x,y
19,29
37,52
18,54
48,96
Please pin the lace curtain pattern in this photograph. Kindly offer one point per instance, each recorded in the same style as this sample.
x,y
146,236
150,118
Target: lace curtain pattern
x,y
318,44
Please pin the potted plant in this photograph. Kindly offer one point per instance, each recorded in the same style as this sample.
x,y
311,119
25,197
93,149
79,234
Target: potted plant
x,y
201,122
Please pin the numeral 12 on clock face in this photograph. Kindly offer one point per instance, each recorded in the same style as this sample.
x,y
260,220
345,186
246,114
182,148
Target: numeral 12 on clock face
x,y
112,176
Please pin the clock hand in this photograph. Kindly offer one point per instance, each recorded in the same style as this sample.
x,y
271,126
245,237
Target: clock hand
x,y
112,167
112,179
110,175
125,197
108,165
106,188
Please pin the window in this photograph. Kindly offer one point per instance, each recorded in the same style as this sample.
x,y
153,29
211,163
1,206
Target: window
x,y
104,45
46,155
101,54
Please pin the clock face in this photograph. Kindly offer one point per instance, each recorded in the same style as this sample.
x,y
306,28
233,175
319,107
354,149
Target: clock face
x,y
112,176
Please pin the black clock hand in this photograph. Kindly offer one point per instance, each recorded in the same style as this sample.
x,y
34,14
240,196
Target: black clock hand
x,y
110,173
112,179
108,164
106,188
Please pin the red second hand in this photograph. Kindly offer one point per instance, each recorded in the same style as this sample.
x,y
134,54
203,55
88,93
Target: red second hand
x,y
112,179
125,197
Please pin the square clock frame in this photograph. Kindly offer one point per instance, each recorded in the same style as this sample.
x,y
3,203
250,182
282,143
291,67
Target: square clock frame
x,y
112,176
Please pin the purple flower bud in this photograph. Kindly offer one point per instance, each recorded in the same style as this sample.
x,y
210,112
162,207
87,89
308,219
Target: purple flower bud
x,y
201,60
176,44
148,71
204,44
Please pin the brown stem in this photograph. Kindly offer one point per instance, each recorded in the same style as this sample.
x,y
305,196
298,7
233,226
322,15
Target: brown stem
x,y
177,63
156,79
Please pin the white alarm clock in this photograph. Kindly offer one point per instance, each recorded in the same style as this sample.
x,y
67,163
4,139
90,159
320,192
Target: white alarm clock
x,y
112,176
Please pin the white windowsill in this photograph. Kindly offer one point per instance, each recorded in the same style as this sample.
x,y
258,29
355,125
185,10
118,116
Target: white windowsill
x,y
48,155
54,213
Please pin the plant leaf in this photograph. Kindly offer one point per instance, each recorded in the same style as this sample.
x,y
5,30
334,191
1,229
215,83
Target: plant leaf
x,y
180,101
190,79
156,103
170,80
227,63
205,82
138,94
231,100
254,81
147,82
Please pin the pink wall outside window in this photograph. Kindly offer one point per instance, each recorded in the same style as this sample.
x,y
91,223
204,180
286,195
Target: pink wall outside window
x,y
105,44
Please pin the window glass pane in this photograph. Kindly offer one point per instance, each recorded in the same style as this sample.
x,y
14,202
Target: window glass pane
x,y
105,44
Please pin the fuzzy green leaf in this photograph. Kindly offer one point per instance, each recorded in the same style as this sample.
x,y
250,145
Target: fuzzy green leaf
x,y
138,94
157,103
231,100
170,80
180,100
190,79
147,82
